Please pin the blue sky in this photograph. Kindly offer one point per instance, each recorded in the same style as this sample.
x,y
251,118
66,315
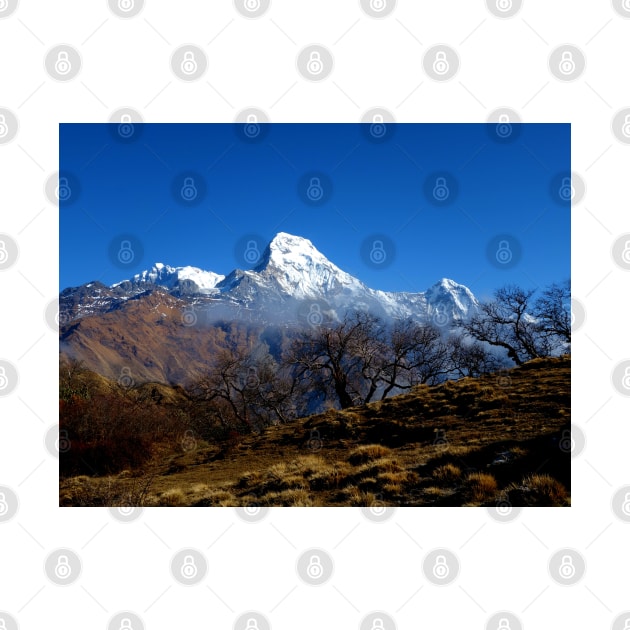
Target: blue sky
x,y
372,189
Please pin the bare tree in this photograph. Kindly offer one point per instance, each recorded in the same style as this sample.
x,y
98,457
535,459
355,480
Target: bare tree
x,y
507,322
415,354
553,313
471,358
346,356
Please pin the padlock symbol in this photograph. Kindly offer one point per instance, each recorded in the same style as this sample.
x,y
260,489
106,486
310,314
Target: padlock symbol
x,y
504,253
377,624
440,317
189,191
504,128
126,5
189,568
4,381
126,255
251,255
566,190
63,192
378,5
378,255
189,64
63,65
625,506
314,64
4,506
62,443
567,63
252,381
625,254
125,624
440,568
440,63
625,381
189,317
626,6
315,191
625,129
567,443
503,624
125,128
504,5
252,5
315,317
4,128
315,570
440,438
63,570
626,625
314,441
377,128
567,568
378,507
252,128
4,254
4,5
125,379
441,191
251,624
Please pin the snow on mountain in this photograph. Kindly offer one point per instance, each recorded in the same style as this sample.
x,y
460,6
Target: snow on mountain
x,y
176,277
291,274
302,271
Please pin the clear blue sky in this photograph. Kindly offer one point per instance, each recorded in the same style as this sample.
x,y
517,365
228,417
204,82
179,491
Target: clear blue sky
x,y
252,186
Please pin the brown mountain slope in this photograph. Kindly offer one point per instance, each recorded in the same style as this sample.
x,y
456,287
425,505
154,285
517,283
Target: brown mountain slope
x,y
500,438
147,339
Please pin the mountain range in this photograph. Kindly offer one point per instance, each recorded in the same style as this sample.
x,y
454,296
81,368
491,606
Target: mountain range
x,y
166,322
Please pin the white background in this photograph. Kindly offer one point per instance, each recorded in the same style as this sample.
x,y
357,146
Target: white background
x,y
252,63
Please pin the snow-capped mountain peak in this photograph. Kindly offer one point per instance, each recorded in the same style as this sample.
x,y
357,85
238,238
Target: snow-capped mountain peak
x,y
448,293
301,270
175,277
291,275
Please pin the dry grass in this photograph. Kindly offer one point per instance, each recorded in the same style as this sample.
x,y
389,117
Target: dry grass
x,y
496,435
481,487
448,473
366,452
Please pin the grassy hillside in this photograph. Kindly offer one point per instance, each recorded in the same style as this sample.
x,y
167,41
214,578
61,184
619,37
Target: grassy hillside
x,y
502,437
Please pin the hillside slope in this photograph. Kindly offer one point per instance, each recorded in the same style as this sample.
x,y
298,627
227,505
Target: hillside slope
x,y
500,438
